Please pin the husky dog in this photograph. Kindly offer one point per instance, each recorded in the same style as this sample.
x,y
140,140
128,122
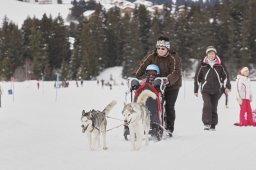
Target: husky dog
x,y
137,117
94,123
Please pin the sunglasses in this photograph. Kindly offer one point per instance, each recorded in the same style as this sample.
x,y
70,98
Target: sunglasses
x,y
161,48
151,73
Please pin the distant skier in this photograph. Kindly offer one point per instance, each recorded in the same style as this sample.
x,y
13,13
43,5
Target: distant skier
x,y
81,81
77,85
110,85
38,84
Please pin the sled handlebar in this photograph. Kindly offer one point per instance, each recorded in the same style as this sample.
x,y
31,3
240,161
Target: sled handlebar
x,y
163,82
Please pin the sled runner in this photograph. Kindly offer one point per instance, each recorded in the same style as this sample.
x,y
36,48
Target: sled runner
x,y
155,106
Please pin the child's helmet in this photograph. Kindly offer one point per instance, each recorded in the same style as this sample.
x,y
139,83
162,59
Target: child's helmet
x,y
153,67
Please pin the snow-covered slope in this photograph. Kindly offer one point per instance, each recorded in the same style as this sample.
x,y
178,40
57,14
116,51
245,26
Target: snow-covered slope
x,y
17,11
40,130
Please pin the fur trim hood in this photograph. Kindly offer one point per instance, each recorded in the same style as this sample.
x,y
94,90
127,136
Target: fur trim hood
x,y
217,60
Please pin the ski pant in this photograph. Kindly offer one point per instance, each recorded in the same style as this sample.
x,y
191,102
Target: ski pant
x,y
170,98
153,108
210,115
245,107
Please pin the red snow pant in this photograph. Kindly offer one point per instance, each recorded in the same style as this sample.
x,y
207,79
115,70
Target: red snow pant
x,y
245,107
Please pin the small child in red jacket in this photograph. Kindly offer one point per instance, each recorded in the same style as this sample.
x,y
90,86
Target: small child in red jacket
x,y
244,98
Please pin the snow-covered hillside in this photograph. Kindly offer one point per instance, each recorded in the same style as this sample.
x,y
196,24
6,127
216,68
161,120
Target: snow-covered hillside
x,y
17,11
40,130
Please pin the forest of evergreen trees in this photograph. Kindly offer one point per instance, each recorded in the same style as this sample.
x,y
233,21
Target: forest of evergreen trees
x,y
41,47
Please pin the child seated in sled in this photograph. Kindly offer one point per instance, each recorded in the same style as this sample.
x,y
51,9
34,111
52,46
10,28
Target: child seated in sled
x,y
244,98
157,85
151,73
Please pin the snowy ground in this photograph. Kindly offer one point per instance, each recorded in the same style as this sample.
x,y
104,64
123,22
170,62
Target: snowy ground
x,y
40,130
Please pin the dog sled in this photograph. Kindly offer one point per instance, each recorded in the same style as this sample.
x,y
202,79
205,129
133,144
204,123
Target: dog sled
x,y
154,106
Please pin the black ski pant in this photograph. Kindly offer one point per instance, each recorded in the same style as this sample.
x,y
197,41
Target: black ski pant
x,y
210,116
170,98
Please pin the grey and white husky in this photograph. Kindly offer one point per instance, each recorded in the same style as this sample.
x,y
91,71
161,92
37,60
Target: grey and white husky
x,y
94,123
137,117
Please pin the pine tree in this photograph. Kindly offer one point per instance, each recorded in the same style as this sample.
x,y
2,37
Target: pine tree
x,y
223,20
88,67
77,9
46,28
168,24
10,49
39,54
127,52
93,43
61,46
114,39
251,30
198,37
156,27
234,39
55,35
75,60
182,30
142,18
91,49
245,51
26,29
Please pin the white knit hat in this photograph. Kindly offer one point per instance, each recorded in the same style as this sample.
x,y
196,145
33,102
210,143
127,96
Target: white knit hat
x,y
211,48
244,69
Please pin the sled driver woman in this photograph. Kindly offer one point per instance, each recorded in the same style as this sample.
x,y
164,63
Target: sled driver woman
x,y
170,66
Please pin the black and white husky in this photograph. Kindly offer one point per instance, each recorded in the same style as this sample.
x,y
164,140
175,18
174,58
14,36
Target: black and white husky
x,y
94,123
137,118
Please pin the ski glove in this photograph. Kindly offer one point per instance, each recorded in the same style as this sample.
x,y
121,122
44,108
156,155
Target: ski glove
x,y
239,100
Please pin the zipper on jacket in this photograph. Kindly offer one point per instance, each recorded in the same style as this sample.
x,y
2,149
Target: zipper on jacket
x,y
205,78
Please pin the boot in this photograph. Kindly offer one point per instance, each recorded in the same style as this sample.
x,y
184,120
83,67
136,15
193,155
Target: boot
x,y
212,127
207,127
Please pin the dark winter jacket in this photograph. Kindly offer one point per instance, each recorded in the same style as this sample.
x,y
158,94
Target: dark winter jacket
x,y
170,67
210,78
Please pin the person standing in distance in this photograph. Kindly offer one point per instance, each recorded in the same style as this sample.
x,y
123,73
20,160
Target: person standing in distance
x,y
169,64
244,97
210,77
